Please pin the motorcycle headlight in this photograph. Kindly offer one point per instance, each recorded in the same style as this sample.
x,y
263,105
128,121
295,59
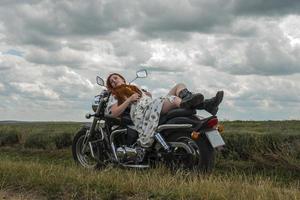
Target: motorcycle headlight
x,y
95,103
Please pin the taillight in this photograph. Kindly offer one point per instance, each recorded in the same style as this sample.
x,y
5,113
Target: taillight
x,y
212,123
195,135
220,128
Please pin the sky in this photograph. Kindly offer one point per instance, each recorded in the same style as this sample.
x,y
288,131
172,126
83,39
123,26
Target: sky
x,y
52,50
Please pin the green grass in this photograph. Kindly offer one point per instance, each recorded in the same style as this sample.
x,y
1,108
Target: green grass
x,y
56,181
261,161
39,135
61,157
290,127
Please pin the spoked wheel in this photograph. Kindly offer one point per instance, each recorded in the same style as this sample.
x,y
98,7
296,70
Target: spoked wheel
x,y
82,152
184,155
192,157
203,153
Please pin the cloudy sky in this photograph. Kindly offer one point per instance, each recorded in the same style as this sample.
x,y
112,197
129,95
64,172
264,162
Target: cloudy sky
x,y
51,51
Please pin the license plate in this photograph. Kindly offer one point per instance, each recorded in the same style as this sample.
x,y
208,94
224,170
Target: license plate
x,y
215,138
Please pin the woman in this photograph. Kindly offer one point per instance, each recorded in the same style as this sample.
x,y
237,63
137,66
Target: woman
x,y
145,111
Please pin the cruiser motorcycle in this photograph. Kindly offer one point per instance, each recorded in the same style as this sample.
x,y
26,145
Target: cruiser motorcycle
x,y
182,139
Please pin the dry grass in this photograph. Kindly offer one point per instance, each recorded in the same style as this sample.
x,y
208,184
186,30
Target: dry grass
x,y
16,195
255,166
62,182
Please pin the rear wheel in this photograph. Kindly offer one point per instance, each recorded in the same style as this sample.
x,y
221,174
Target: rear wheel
x,y
184,154
207,154
204,154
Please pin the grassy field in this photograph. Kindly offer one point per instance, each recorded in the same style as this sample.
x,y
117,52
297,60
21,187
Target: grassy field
x,y
261,161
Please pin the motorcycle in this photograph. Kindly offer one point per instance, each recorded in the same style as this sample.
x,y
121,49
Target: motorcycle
x,y
182,139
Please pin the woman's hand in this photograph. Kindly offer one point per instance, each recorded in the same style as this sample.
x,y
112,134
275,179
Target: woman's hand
x,y
117,110
135,97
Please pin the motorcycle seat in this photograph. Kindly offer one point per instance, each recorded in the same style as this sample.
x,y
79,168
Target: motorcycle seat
x,y
178,112
197,123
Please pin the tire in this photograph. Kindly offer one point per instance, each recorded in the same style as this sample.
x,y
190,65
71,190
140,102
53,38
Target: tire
x,y
205,152
85,158
208,154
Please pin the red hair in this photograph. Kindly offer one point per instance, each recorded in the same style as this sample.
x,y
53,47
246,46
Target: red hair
x,y
108,84
121,92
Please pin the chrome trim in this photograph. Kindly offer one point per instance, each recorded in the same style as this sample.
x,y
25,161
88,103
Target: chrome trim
x,y
112,135
101,123
136,166
91,148
87,135
126,152
181,144
102,134
114,151
162,141
172,126
117,131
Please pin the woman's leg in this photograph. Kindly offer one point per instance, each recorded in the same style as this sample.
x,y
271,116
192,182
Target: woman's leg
x,y
176,89
187,99
175,103
169,105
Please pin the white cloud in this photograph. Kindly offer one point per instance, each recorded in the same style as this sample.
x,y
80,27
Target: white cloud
x,y
64,56
51,51
35,90
289,26
2,87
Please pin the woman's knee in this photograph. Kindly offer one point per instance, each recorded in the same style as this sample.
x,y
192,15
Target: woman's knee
x,y
167,106
180,85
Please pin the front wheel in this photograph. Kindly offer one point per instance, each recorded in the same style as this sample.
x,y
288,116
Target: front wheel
x,y
82,152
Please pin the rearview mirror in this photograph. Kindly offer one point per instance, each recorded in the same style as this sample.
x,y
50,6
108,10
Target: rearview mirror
x,y
141,73
100,81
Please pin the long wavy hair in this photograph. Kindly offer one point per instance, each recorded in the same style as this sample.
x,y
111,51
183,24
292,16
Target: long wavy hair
x,y
121,92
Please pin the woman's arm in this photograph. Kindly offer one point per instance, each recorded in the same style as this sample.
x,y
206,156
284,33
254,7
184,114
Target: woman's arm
x,y
147,93
117,110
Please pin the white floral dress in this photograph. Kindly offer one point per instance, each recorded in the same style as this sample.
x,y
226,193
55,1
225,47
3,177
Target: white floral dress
x,y
145,115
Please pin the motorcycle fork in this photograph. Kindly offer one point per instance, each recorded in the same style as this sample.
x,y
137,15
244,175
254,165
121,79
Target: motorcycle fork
x,y
89,143
85,141
87,136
